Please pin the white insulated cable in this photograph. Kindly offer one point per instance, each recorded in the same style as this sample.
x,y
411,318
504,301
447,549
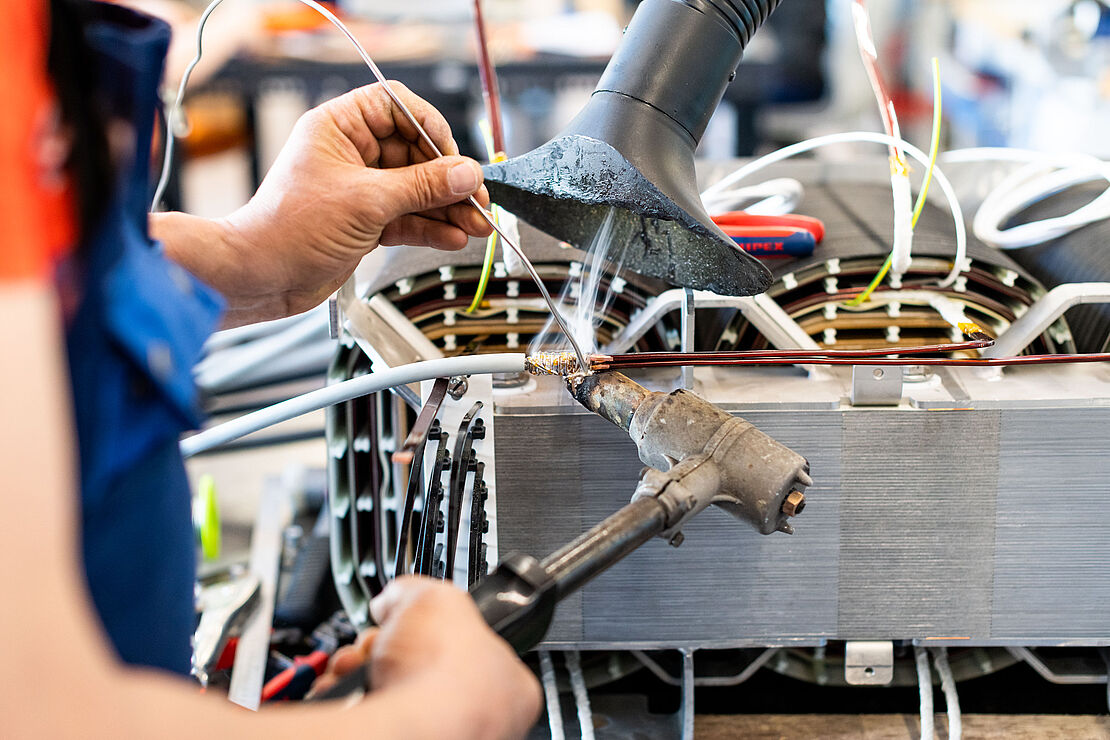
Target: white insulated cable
x,y
951,696
551,697
925,688
581,695
775,197
340,392
854,137
1044,174
220,368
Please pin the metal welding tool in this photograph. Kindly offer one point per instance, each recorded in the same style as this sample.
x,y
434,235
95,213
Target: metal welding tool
x,y
699,455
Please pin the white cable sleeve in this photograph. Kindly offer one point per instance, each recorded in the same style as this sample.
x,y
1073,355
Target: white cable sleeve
x,y
581,695
899,175
551,697
925,688
951,696
903,226
870,137
348,389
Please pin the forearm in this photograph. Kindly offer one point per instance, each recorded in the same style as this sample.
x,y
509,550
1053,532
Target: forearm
x,y
214,251
155,706
152,706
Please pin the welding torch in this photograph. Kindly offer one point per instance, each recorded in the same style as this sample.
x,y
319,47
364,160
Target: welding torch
x,y
697,455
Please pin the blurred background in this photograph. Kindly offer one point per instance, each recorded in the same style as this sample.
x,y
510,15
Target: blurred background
x,y
1023,74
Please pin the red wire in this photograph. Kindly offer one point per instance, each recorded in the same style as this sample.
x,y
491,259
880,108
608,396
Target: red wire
x,y
878,84
488,75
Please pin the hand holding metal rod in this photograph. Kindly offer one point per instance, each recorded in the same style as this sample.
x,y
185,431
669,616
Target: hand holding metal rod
x,y
472,200
172,119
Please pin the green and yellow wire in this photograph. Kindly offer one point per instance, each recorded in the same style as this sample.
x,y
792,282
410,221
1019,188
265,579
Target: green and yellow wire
x,y
934,150
491,242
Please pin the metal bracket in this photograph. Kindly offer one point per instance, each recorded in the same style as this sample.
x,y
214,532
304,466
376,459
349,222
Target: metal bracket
x,y
385,334
1044,313
762,310
734,680
686,713
869,663
876,385
1065,670
688,335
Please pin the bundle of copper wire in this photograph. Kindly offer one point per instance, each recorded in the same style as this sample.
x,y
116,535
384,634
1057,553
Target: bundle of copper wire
x,y
905,356
688,359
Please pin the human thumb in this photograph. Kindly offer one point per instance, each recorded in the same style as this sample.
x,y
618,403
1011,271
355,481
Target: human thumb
x,y
420,187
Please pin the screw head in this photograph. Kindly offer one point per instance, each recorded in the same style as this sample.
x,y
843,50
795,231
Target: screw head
x,y
457,387
794,503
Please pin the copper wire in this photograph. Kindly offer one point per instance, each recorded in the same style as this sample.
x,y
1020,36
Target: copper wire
x,y
488,75
621,362
565,363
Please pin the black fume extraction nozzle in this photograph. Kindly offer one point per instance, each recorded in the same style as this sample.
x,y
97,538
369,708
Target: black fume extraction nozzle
x,y
632,148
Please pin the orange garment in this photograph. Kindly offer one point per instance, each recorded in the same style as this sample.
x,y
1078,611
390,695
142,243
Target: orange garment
x,y
37,223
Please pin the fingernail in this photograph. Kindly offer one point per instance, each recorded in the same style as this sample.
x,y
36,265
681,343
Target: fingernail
x,y
463,178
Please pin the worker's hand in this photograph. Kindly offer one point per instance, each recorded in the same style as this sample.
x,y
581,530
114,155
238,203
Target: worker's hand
x,y
433,641
346,659
354,174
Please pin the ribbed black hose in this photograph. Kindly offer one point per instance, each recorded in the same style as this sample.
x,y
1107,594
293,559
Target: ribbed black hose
x,y
1079,257
678,56
744,17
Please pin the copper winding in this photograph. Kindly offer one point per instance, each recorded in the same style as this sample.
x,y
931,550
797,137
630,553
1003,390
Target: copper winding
x,y
565,364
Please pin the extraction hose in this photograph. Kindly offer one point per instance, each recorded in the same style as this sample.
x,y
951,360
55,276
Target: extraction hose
x,y
663,61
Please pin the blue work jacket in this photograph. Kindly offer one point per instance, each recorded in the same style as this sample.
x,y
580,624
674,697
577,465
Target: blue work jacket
x,y
132,342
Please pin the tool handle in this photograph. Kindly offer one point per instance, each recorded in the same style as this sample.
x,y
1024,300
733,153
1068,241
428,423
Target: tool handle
x,y
778,242
518,599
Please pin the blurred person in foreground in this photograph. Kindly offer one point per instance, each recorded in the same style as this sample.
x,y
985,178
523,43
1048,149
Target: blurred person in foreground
x,y
106,308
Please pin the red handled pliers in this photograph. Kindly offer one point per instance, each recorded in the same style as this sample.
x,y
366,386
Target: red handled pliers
x,y
772,236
